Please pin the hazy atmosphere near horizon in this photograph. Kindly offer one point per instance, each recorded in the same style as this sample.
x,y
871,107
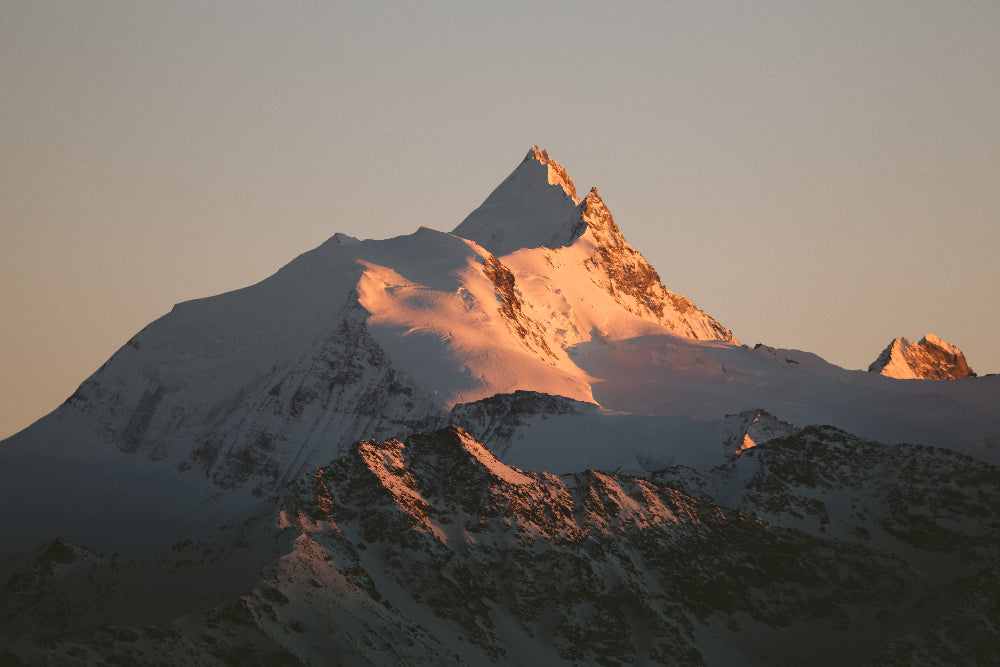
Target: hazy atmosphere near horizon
x,y
815,175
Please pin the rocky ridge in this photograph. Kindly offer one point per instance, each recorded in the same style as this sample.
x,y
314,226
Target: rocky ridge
x,y
432,551
929,359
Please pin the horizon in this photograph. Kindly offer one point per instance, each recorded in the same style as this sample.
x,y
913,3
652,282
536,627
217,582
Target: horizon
x,y
163,154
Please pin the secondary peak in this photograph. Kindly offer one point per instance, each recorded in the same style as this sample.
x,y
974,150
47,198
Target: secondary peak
x,y
930,359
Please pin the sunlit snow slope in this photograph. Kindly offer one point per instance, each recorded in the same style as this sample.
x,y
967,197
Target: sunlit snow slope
x,y
536,290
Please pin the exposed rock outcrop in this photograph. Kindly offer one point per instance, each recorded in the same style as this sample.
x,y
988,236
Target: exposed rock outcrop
x,y
930,359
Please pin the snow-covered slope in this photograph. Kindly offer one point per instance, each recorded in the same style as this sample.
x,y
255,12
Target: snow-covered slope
x,y
250,458
535,206
930,359
432,551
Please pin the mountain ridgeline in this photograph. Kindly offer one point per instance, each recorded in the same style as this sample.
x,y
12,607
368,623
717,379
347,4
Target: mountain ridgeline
x,y
510,443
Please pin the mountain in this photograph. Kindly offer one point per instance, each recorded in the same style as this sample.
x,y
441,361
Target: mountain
x,y
829,550
536,208
930,359
506,443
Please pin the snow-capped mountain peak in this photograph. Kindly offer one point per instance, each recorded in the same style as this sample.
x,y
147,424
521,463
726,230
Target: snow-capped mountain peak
x,y
557,173
535,206
929,359
573,241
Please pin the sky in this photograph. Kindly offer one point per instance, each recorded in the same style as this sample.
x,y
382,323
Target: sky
x,y
823,176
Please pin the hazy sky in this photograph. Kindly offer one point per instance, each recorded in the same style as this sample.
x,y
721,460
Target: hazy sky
x,y
821,176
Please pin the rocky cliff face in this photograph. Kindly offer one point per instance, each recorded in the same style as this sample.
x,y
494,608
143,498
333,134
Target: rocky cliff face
x,y
632,282
929,359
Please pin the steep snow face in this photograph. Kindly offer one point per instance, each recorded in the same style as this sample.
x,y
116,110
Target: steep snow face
x,y
224,384
536,206
930,359
560,248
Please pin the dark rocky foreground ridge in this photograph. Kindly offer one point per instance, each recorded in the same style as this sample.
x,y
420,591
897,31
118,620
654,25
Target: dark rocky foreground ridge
x,y
818,547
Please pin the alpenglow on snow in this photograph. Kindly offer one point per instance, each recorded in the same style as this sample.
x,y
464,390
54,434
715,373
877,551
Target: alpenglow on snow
x,y
508,443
